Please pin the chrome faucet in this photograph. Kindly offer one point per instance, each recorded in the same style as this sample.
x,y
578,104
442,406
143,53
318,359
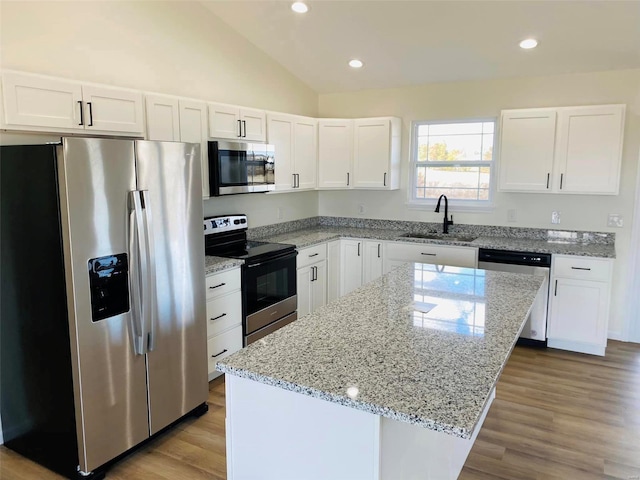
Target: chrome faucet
x,y
446,222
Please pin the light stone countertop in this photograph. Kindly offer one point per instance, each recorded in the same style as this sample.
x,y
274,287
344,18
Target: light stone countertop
x,y
422,344
312,236
218,264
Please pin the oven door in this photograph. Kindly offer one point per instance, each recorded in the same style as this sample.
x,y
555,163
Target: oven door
x,y
269,290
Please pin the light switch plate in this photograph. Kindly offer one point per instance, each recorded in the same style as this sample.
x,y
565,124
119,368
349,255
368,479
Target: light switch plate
x,y
615,220
555,217
512,215
361,208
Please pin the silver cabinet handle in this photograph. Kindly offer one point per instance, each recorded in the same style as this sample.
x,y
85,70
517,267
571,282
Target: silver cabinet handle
x,y
314,255
580,268
219,316
218,286
239,128
430,254
244,124
218,354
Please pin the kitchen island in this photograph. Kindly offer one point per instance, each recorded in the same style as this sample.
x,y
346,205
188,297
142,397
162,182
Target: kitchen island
x,y
392,381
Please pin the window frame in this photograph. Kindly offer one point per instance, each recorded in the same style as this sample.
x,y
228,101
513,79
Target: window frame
x,y
454,204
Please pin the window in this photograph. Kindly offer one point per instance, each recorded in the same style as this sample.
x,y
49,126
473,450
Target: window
x,y
454,159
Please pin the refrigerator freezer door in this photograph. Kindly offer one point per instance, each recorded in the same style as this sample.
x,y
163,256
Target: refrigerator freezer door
x,y
95,177
169,175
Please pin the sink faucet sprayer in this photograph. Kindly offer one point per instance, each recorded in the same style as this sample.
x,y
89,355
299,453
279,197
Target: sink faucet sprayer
x,y
446,222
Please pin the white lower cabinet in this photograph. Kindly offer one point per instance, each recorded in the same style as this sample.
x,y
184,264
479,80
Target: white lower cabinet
x,y
579,304
372,264
224,317
397,253
351,261
311,278
333,270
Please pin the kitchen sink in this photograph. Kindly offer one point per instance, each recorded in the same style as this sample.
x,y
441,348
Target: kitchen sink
x,y
439,236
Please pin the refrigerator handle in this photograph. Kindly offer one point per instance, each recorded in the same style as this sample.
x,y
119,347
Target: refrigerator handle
x,y
150,275
136,264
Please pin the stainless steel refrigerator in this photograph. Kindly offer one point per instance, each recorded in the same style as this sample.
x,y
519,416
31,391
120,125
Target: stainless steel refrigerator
x,y
102,327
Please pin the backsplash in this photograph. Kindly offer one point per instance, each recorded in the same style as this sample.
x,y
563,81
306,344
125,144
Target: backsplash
x,y
560,236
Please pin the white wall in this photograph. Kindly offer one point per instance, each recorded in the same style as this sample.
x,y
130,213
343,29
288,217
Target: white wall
x,y
178,48
486,99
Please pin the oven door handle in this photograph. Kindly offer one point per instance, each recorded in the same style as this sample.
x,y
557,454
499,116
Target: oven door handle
x,y
271,259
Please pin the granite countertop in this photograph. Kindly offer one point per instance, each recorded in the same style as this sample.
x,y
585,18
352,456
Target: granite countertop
x,y
218,264
314,235
423,344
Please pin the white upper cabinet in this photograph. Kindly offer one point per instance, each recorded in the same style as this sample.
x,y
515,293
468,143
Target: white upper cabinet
x,y
376,153
174,119
57,105
569,150
237,123
589,149
163,119
295,143
335,150
193,129
526,149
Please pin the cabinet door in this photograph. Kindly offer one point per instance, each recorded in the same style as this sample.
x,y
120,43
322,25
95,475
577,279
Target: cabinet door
x,y
254,125
351,265
319,286
305,152
335,145
163,120
113,109
280,130
193,129
372,261
527,143
590,149
31,100
371,153
333,271
578,314
224,121
305,293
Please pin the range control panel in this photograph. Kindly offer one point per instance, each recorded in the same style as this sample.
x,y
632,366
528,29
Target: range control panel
x,y
224,223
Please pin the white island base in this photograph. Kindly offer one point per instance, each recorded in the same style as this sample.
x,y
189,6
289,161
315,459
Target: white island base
x,y
277,434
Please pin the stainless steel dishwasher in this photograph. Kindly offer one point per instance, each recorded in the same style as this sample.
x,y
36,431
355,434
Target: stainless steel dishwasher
x,y
535,330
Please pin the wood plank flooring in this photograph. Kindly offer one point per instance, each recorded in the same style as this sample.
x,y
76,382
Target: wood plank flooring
x,y
557,416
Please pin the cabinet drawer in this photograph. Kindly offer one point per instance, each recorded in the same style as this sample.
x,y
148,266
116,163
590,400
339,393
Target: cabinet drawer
x,y
222,283
433,254
223,313
310,255
582,268
223,345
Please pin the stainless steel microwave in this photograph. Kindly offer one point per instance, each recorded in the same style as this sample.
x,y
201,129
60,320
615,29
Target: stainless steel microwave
x,y
238,167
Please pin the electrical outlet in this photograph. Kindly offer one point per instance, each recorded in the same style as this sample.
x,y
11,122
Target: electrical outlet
x,y
512,215
361,208
555,217
280,214
615,220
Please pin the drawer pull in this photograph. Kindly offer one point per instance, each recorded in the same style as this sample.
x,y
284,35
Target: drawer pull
x,y
218,354
218,286
429,254
580,268
314,255
219,316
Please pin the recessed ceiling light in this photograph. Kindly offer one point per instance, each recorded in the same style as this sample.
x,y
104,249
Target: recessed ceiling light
x,y
529,43
355,63
299,7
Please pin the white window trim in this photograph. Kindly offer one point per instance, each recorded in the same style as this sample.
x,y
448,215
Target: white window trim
x,y
476,206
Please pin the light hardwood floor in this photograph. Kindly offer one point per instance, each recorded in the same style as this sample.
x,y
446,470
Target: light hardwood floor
x,y
557,415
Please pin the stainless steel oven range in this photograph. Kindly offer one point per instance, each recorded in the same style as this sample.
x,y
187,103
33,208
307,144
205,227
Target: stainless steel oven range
x,y
268,274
